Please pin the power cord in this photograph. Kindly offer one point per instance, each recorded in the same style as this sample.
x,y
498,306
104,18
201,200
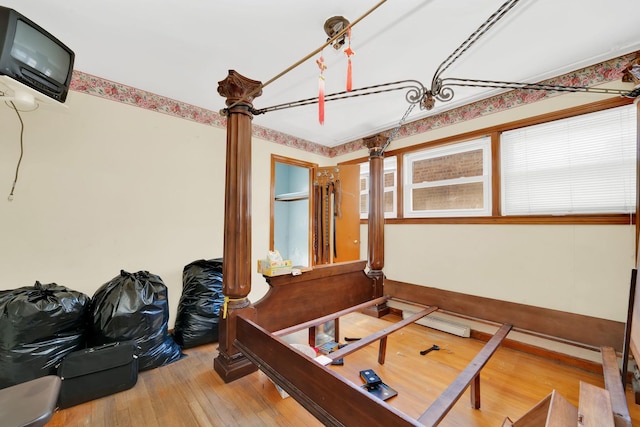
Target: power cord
x,y
15,179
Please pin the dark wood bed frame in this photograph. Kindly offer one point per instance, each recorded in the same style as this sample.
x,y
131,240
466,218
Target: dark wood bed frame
x,y
249,333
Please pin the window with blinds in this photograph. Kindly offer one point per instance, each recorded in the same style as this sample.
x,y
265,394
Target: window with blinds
x,y
579,165
390,188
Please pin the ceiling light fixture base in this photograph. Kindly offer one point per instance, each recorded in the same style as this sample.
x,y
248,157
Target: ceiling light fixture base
x,y
334,26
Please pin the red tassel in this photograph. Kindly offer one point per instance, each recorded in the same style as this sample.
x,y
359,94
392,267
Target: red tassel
x,y
321,99
320,62
349,52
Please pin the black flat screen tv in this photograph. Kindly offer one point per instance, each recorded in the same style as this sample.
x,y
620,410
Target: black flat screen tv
x,y
32,56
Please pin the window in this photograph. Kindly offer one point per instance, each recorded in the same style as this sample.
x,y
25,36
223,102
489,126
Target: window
x,y
453,180
390,188
579,165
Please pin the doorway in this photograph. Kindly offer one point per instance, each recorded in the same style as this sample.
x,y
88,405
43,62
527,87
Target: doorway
x,y
291,209
314,212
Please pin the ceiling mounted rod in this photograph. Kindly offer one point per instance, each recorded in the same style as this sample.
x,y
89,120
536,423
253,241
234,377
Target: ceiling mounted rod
x,y
474,37
531,86
414,95
417,92
441,90
441,93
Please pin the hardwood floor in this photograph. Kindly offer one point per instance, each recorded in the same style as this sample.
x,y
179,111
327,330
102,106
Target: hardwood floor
x,y
189,393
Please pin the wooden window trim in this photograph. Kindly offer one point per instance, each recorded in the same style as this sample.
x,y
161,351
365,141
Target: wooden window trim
x,y
494,133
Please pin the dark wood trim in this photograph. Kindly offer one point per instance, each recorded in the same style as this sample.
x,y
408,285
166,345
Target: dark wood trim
x,y
577,329
602,219
275,158
546,353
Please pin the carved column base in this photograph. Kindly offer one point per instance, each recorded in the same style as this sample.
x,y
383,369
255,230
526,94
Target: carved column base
x,y
378,310
230,363
231,368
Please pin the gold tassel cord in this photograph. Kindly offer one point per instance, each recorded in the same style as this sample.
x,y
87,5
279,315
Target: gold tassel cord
x,y
226,305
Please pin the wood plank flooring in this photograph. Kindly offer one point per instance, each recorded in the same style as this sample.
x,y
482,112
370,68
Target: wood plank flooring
x,y
188,393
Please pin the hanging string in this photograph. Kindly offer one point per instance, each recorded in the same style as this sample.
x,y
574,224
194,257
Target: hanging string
x,y
322,66
349,52
15,179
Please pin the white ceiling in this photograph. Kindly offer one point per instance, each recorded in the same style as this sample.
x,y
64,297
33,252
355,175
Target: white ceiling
x,y
180,49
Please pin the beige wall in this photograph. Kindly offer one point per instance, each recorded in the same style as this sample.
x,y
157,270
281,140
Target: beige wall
x,y
582,269
106,186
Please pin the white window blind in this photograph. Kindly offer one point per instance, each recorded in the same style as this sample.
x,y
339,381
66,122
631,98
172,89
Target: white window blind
x,y
579,165
390,188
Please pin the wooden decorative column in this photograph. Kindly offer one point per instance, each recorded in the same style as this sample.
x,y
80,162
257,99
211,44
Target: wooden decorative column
x,y
375,251
236,268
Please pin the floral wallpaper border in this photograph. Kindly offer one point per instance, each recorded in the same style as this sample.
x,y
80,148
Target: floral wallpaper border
x,y
603,72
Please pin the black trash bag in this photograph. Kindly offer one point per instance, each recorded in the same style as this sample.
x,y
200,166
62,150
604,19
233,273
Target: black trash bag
x,y
39,326
134,306
199,308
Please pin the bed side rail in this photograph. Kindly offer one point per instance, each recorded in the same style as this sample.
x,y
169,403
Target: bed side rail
x,y
330,398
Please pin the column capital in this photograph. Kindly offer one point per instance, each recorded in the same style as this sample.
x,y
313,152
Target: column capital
x,y
375,144
239,89
631,74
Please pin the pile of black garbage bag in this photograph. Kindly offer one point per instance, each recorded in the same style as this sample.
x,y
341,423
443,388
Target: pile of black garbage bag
x,y
134,306
43,323
39,326
199,307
